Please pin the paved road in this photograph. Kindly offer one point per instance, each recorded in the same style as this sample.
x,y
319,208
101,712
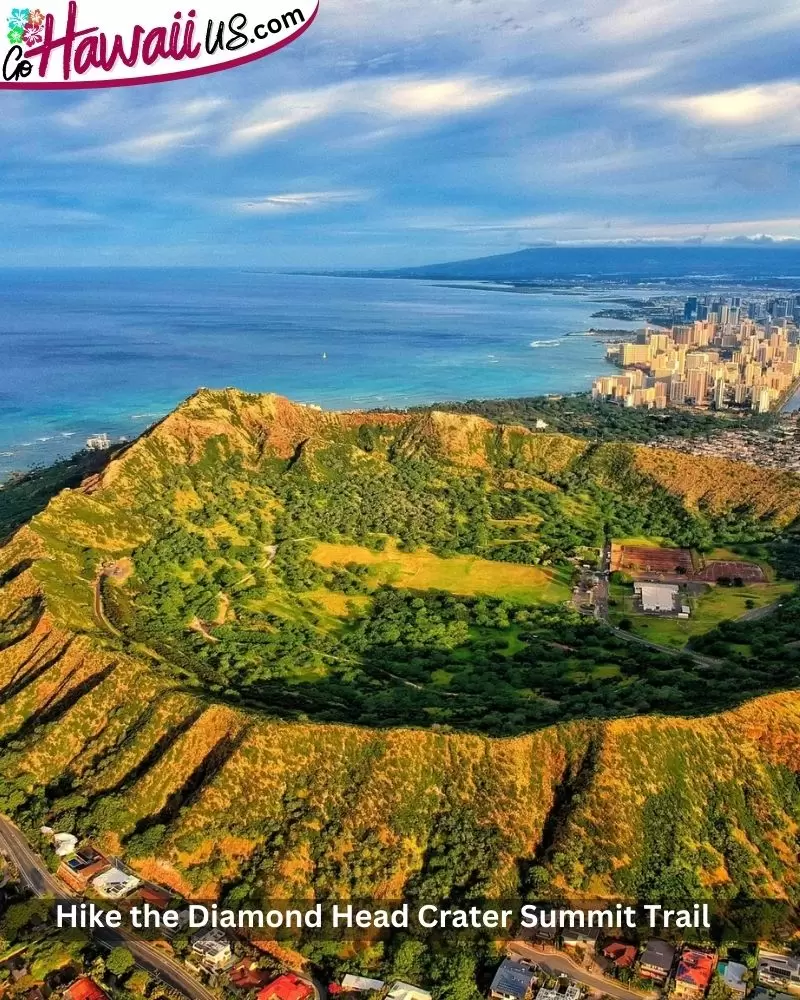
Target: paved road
x,y
601,603
559,963
601,612
756,614
43,883
701,661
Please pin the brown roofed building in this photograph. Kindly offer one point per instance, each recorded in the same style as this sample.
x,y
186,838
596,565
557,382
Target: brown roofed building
x,y
246,975
695,971
155,896
78,875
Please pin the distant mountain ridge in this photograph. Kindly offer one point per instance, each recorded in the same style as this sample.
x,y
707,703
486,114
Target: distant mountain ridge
x,y
742,264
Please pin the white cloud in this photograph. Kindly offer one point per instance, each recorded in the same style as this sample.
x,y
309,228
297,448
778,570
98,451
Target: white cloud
x,y
298,202
423,98
770,103
391,97
142,149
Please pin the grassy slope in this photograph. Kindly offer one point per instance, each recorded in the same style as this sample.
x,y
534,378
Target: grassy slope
x,y
140,747
255,768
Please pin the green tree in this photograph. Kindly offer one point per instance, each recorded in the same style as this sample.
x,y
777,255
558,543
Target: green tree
x,y
120,962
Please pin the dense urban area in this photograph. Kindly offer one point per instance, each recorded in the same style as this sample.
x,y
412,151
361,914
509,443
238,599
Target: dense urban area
x,y
727,353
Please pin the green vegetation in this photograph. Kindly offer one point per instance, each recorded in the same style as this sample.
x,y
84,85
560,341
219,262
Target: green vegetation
x,y
582,416
26,494
717,604
273,648
388,572
422,570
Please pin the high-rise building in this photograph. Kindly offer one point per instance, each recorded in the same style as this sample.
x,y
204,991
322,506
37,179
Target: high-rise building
x,y
763,401
696,385
636,354
677,392
780,308
738,361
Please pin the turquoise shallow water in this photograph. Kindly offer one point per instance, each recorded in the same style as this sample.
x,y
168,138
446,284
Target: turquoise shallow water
x,y
91,351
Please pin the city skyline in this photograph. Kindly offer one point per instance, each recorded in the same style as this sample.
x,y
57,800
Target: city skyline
x,y
727,351
457,130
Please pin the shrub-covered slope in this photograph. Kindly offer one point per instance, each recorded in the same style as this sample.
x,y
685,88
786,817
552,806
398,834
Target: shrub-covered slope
x,y
169,644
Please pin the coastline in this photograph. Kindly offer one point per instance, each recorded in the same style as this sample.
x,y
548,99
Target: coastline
x,y
113,355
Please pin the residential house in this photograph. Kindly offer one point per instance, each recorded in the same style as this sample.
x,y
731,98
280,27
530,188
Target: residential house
x,y
781,972
695,972
407,991
581,937
734,975
64,844
512,981
656,960
88,855
287,987
360,984
621,954
78,872
246,975
547,935
544,994
114,883
155,896
84,988
212,951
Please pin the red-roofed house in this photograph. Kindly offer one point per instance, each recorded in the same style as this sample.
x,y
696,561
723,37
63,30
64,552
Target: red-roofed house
x,y
246,975
695,970
287,987
84,989
622,955
155,896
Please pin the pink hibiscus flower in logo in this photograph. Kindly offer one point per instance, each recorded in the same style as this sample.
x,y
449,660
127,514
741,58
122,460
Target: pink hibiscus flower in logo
x,y
35,19
33,35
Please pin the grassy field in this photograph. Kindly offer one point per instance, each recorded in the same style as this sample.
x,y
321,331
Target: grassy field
x,y
719,604
467,575
642,542
338,605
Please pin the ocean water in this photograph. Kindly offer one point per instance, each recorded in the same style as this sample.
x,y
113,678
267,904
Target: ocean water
x,y
110,351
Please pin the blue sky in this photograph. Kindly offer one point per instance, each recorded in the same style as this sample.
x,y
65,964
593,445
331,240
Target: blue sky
x,y
406,133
